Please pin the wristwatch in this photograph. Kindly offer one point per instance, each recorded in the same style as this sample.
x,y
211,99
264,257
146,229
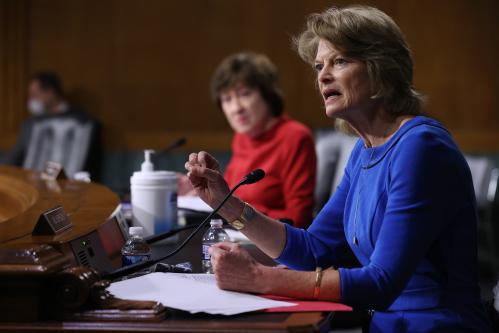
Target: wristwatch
x,y
247,215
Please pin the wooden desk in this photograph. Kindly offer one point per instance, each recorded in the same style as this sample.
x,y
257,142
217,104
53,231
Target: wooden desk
x,y
26,196
181,322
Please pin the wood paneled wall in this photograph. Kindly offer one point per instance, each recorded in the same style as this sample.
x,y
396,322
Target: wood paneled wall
x,y
143,67
13,67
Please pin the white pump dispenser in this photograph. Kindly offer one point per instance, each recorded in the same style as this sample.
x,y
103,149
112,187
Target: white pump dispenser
x,y
154,198
147,165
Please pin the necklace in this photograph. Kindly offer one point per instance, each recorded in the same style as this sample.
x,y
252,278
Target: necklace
x,y
355,240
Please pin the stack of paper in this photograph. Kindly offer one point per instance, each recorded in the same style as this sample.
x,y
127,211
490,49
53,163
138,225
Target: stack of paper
x,y
193,203
190,292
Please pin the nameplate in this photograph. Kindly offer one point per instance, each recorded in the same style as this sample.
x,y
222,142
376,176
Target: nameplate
x,y
52,222
53,171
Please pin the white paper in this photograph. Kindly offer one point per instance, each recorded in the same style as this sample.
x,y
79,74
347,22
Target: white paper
x,y
237,236
193,203
190,292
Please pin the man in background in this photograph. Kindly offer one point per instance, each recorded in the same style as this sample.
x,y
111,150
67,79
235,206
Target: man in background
x,y
55,131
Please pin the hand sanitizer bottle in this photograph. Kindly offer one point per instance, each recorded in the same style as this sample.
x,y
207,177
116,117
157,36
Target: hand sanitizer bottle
x,y
154,198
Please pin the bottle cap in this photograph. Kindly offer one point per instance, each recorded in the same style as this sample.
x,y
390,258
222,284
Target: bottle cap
x,y
216,222
135,231
147,165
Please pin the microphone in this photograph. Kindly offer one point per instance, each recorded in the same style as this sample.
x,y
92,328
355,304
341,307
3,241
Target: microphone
x,y
253,177
175,144
250,178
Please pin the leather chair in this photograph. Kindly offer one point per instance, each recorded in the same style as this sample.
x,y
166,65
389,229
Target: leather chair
x,y
66,140
485,177
333,149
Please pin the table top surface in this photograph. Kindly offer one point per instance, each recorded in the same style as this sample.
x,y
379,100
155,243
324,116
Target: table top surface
x,y
180,321
25,195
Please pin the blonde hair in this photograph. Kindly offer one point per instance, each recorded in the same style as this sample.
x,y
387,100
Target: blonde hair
x,y
370,35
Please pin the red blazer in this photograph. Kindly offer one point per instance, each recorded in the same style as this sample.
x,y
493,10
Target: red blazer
x,y
286,153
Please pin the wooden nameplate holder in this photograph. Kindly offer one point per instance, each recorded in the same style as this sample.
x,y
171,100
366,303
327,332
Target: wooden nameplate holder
x,y
52,222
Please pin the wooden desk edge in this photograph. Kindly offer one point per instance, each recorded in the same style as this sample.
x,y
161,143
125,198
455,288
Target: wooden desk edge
x,y
295,322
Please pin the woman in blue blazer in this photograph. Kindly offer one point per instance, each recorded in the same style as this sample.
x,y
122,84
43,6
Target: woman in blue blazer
x,y
405,205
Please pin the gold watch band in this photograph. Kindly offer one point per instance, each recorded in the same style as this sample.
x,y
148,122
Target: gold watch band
x,y
246,215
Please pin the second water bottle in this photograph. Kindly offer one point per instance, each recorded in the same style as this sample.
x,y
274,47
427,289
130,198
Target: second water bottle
x,y
215,234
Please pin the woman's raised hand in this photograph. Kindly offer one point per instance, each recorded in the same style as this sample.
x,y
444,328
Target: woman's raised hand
x,y
206,178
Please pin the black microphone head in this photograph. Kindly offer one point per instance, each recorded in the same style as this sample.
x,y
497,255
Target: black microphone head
x,y
175,144
253,176
180,142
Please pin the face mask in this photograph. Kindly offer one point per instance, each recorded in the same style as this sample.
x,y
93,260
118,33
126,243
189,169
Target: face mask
x,y
36,107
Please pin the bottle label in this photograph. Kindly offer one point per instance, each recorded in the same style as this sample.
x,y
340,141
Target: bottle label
x,y
168,218
131,259
206,253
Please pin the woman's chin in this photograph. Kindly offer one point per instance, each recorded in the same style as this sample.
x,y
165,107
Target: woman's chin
x,y
336,112
246,130
332,113
240,127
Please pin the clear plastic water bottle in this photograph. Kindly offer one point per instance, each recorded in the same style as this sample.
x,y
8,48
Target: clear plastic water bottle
x,y
135,249
215,234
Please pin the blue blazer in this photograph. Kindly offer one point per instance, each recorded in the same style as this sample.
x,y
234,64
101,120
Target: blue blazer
x,y
407,210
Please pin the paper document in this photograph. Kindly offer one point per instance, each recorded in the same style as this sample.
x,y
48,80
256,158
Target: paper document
x,y
190,292
193,203
237,236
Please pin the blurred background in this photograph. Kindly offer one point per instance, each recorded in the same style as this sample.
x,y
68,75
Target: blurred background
x,y
142,68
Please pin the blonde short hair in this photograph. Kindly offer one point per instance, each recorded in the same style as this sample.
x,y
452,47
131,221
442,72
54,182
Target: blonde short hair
x,y
370,35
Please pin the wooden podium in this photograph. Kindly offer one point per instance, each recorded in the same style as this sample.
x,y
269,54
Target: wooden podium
x,y
57,236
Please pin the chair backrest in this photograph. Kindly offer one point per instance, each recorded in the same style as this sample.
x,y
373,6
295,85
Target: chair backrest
x,y
484,176
64,140
333,149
